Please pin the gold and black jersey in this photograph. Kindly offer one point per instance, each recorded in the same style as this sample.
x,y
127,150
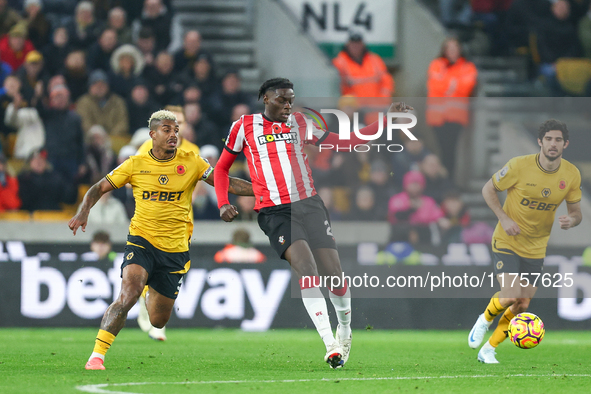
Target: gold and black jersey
x,y
162,190
533,194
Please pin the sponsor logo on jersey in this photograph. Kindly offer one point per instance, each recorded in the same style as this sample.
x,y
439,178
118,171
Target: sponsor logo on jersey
x,y
161,196
546,192
562,184
163,179
288,138
180,169
538,205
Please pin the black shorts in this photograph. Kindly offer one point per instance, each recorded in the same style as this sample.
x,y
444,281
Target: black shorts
x,y
509,262
305,219
165,270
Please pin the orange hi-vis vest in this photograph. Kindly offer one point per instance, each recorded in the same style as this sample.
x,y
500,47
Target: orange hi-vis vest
x,y
368,79
448,89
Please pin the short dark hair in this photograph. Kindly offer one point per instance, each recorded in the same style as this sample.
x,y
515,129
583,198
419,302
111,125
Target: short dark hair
x,y
275,83
101,237
552,124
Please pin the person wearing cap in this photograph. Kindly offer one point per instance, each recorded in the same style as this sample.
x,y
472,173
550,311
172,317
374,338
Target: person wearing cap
x,y
15,46
31,73
9,198
39,27
8,17
411,213
100,106
363,73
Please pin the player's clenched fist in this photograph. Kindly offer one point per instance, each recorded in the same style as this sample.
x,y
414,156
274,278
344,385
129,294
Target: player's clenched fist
x,y
228,212
510,227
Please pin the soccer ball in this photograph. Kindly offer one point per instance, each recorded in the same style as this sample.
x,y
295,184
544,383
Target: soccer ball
x,y
526,330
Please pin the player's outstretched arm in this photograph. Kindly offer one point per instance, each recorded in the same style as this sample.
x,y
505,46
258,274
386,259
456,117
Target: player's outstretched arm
x,y
492,200
90,198
573,218
237,186
222,185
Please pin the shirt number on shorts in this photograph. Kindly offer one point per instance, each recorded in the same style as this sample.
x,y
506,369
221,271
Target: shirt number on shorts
x,y
328,229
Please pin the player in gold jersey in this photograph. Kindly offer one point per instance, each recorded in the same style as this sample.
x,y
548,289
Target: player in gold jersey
x,y
157,250
143,319
536,185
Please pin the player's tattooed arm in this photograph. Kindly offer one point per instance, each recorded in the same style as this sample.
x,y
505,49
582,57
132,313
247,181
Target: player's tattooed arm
x,y
573,218
240,187
237,186
90,198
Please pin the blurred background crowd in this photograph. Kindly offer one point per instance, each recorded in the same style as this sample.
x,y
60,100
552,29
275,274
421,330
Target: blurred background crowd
x,y
80,79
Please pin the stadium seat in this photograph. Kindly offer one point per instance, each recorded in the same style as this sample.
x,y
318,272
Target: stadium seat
x,y
573,74
52,216
15,215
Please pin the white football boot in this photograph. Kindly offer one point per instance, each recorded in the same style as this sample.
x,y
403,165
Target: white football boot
x,y
157,334
334,355
345,345
478,331
487,354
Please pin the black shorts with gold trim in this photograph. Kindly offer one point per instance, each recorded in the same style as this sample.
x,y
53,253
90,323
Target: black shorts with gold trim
x,y
165,270
506,261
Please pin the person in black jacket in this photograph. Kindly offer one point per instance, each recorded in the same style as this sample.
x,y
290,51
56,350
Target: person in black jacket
x,y
64,134
42,188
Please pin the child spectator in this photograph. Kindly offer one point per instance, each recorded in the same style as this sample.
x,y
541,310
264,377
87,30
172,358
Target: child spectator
x,y
411,213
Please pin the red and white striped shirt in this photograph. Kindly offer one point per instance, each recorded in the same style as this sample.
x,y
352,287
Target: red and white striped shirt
x,y
278,166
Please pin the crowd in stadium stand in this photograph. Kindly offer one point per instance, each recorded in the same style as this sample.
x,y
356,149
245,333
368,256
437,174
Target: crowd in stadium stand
x,y
553,35
81,78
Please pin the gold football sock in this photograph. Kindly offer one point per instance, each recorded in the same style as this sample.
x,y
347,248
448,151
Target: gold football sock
x,y
145,291
494,308
500,332
103,342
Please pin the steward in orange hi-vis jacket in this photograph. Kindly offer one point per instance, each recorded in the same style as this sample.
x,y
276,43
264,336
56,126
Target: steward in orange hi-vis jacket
x,y
363,73
450,82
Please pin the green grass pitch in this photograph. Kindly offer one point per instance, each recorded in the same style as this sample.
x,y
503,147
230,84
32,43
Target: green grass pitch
x,y
287,361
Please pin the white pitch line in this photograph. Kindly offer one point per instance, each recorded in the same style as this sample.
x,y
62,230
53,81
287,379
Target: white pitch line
x,y
99,388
